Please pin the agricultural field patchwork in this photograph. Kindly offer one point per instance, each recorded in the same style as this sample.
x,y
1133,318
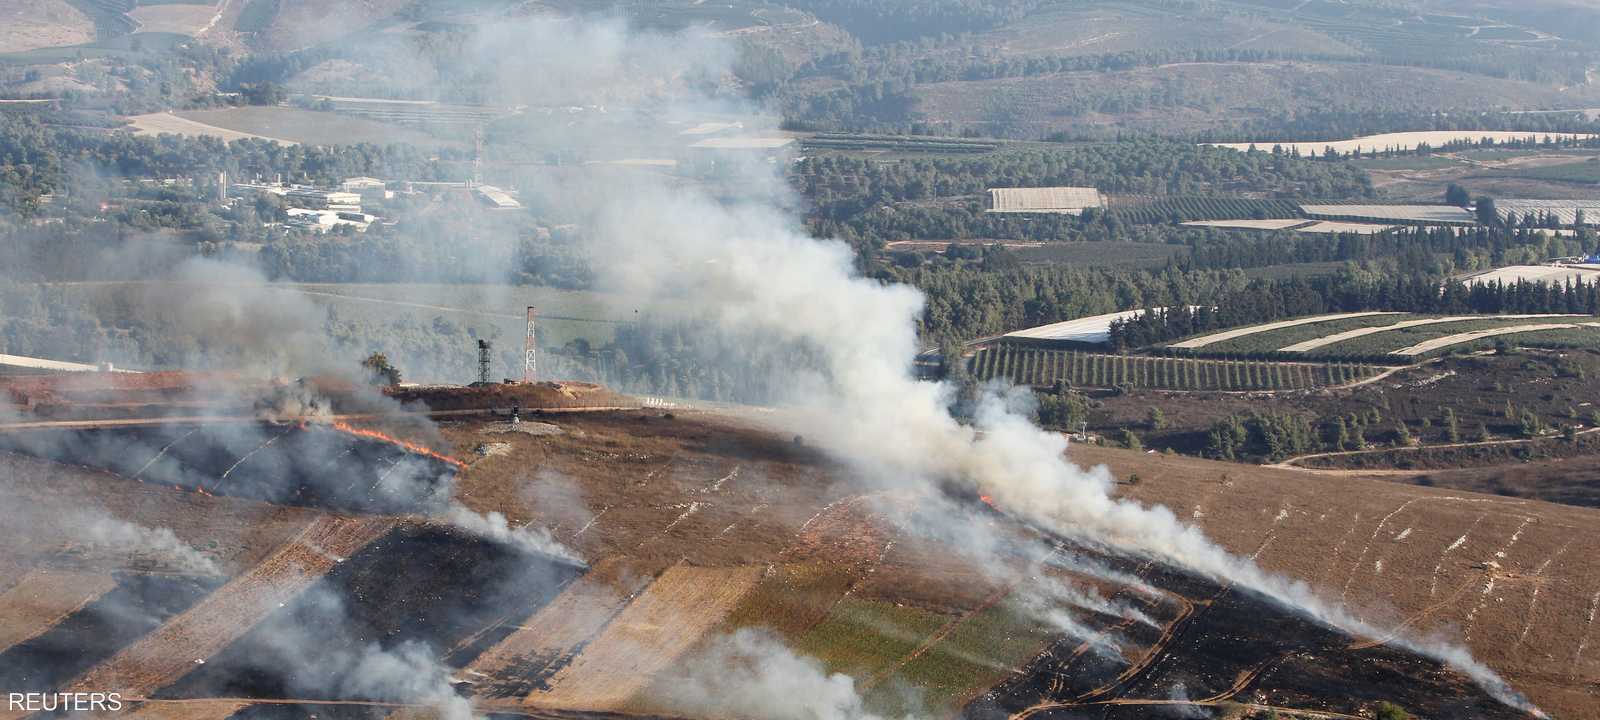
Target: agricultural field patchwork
x,y
1170,208
1328,227
1213,338
1403,335
1392,213
1430,345
1564,211
314,127
166,123
1284,224
1040,367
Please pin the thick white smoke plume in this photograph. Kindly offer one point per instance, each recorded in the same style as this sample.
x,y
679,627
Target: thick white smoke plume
x,y
407,673
743,258
742,674
494,526
105,532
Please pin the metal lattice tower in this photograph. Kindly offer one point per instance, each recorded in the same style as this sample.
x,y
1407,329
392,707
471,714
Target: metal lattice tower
x,y
530,366
483,361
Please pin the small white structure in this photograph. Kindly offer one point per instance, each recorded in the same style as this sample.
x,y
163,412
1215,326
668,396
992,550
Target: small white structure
x,y
367,188
1055,200
497,198
360,183
315,199
322,220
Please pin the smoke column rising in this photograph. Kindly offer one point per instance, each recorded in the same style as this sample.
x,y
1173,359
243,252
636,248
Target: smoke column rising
x,y
741,254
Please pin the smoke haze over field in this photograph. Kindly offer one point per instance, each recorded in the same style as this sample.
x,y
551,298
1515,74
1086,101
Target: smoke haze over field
x,y
727,246
733,247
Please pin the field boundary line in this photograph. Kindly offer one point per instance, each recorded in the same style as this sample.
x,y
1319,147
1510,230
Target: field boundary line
x,y
1290,463
1217,337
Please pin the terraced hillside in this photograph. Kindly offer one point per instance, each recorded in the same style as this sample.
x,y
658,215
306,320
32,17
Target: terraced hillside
x,y
1022,364
1395,338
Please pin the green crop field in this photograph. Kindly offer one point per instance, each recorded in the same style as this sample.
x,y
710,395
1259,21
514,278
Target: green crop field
x,y
1409,162
980,652
1274,340
1366,348
862,638
1183,209
1390,341
1587,171
1102,254
1043,367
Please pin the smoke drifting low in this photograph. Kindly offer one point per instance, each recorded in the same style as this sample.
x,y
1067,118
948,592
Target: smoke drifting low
x,y
108,533
729,246
736,252
751,674
493,526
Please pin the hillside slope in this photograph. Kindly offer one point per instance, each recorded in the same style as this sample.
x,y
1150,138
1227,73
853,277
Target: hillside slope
x,y
706,537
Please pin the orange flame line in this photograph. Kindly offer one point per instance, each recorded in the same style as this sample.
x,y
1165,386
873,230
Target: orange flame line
x,y
409,446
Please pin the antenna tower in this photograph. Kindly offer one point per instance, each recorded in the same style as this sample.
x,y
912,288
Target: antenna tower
x,y
483,361
529,348
477,156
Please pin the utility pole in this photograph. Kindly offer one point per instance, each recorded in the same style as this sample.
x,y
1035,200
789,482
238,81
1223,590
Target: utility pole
x,y
529,349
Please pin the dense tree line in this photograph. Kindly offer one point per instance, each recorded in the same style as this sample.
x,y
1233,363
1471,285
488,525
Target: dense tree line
x,y
1332,124
968,300
36,159
1435,250
867,201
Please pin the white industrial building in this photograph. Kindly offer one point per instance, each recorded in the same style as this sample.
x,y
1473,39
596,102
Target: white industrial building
x,y
314,199
1047,200
300,196
369,188
497,198
323,220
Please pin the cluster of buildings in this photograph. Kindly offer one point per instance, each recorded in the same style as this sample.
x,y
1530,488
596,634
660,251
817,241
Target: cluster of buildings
x,y
315,208
322,209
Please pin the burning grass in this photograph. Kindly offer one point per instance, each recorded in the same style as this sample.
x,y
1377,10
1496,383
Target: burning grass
x,y
330,466
418,585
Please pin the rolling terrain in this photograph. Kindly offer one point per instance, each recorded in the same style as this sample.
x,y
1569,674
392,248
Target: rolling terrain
x,y
700,531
